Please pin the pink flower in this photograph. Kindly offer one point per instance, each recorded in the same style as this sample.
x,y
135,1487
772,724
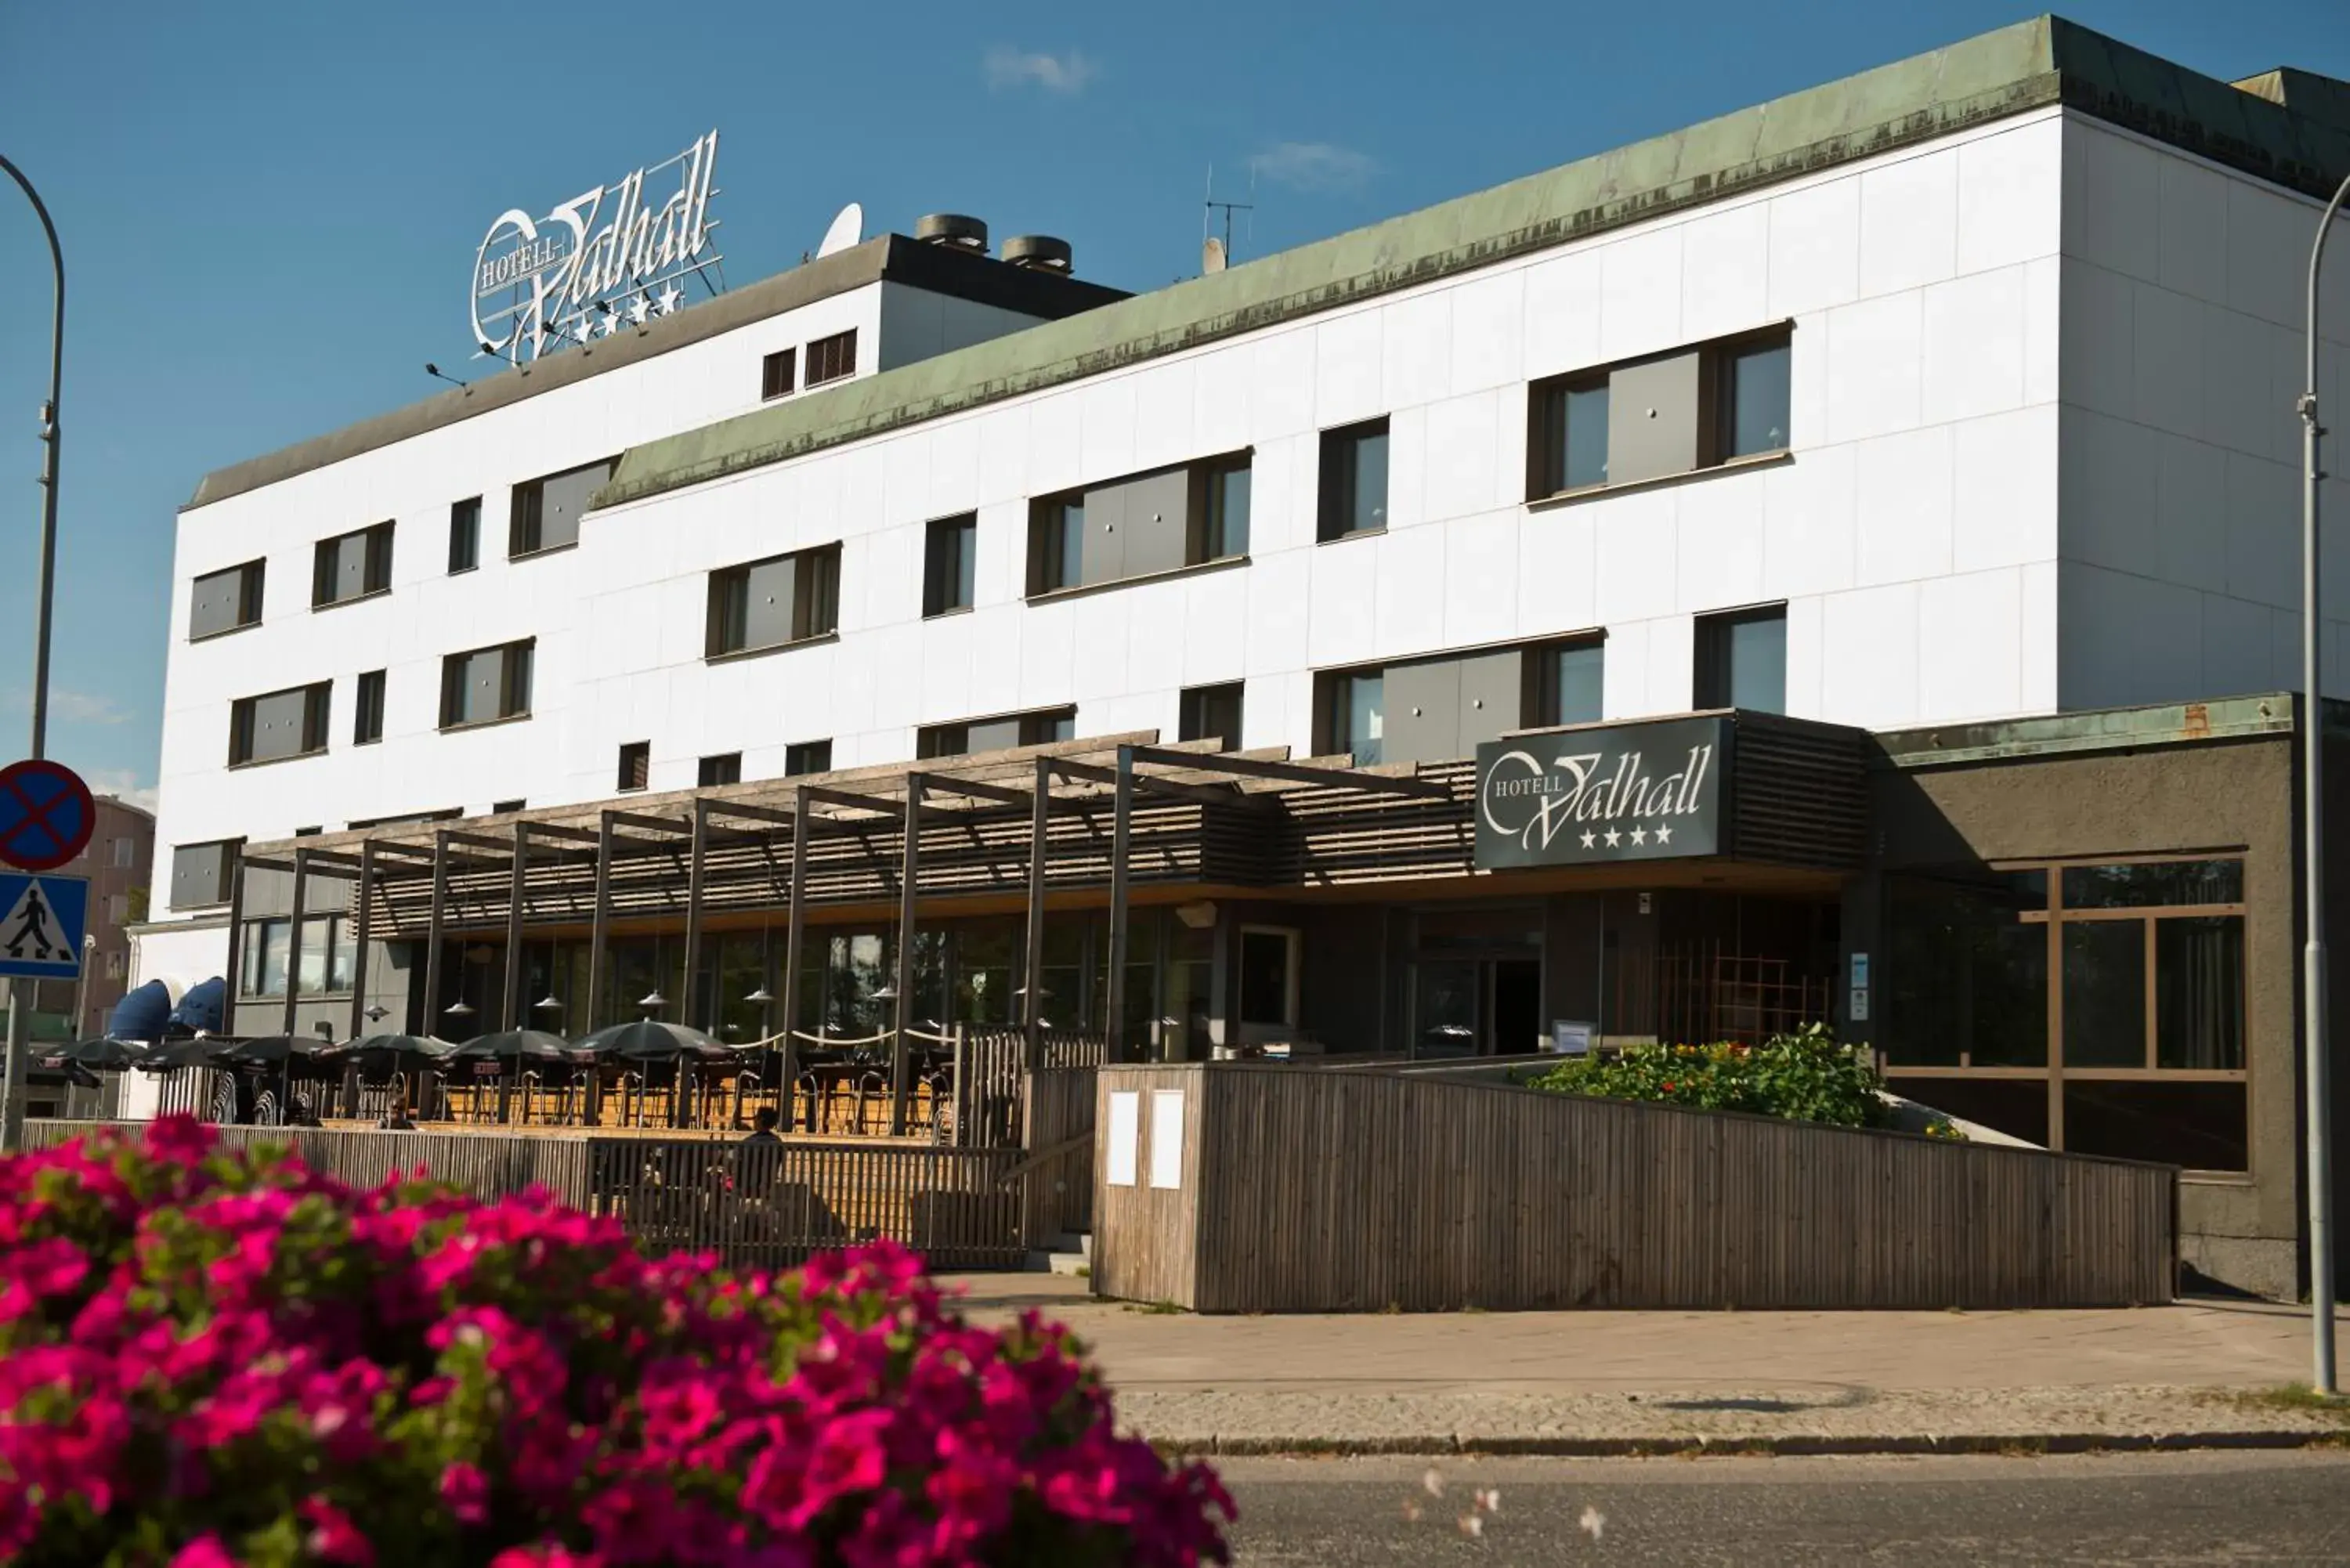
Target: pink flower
x,y
333,1537
204,1551
466,1492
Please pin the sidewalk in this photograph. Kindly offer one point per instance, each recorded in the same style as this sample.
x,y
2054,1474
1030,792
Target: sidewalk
x,y
2199,1373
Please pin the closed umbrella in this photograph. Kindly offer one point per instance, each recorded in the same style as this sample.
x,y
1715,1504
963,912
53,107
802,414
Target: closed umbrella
x,y
650,1040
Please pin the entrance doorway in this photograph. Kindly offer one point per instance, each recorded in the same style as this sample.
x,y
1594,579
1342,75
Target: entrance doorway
x,y
1476,1007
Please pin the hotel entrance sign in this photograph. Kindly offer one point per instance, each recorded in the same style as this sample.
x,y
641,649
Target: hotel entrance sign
x,y
1633,791
610,257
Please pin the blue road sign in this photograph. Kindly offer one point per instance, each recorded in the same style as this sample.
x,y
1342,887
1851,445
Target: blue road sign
x,y
47,815
40,936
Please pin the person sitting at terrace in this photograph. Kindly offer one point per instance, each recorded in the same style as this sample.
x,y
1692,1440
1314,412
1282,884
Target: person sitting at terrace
x,y
762,1126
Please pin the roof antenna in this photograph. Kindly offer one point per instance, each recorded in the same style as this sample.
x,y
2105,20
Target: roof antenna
x,y
432,369
1216,252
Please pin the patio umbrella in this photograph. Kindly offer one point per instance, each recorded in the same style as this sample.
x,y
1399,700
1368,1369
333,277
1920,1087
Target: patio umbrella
x,y
57,1067
105,1053
650,1040
268,1051
195,1053
516,1046
377,1054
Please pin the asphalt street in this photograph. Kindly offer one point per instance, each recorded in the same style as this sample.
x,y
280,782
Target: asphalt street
x,y
2170,1509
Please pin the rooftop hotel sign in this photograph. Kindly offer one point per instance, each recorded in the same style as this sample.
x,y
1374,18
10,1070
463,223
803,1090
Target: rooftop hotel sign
x,y
1632,792
610,257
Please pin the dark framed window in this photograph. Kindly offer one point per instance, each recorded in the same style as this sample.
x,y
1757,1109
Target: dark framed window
x,y
1211,714
1222,509
486,685
830,358
969,737
351,566
1142,526
1751,382
1570,434
1353,714
804,757
544,513
1569,682
949,564
725,768
2099,1008
226,600
1354,489
464,534
636,767
366,708
280,724
508,807
447,814
1741,660
325,964
775,603
779,374
200,873
1056,534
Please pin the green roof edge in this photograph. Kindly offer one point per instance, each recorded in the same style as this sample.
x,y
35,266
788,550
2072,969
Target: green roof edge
x,y
2014,70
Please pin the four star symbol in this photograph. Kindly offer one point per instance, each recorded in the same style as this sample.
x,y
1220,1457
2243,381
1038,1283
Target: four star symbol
x,y
669,300
1664,834
638,307
608,325
1640,836
1613,837
1589,838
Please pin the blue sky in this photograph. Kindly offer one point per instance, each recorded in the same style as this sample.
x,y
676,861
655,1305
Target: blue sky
x,y
270,210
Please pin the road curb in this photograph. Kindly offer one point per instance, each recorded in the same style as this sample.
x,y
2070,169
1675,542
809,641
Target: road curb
x,y
1788,1444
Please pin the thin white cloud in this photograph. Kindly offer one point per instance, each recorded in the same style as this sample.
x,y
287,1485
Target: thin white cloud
x,y
124,785
1315,166
1009,70
73,707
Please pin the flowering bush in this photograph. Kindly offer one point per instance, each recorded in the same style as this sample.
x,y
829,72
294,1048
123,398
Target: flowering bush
x,y
1802,1076
211,1357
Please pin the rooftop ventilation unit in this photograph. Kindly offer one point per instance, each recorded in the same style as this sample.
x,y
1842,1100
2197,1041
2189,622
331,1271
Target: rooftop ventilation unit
x,y
952,229
1039,253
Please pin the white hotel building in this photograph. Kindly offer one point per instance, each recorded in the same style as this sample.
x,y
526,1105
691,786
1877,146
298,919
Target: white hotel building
x,y
1949,408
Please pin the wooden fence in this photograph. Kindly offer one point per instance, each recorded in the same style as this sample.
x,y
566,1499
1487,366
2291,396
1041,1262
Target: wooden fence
x,y
1247,1187
754,1205
1059,1117
989,1103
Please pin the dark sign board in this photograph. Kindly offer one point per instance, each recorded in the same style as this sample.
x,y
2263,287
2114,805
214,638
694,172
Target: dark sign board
x,y
1628,792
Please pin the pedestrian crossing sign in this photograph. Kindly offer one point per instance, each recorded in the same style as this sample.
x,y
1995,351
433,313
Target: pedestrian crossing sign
x,y
40,936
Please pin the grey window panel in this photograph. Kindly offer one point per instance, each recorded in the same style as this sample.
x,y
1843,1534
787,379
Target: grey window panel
x,y
1652,418
1103,558
563,498
1158,522
767,614
1424,703
278,724
217,601
1492,695
351,566
997,735
200,875
483,673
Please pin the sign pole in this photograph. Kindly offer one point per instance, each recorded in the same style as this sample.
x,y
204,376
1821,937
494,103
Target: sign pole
x,y
20,996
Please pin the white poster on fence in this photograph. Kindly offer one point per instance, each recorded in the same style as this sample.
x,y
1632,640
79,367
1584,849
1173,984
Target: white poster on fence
x,y
1124,1134
1167,1138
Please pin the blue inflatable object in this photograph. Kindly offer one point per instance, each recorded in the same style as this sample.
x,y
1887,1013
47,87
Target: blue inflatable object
x,y
201,1008
143,1015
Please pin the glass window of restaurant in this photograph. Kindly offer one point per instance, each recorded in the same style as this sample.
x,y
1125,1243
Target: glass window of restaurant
x,y
2098,1007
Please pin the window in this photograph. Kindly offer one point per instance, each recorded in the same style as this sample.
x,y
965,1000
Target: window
x,y
1680,412
1741,660
311,831
544,513
351,566
949,564
1356,715
779,374
200,873
804,757
1571,445
1222,510
636,767
367,708
1268,977
326,965
465,536
125,853
289,723
1211,714
486,685
1569,683
227,601
118,908
1354,494
115,964
2144,1020
830,358
1141,525
970,737
726,768
776,602
451,814
508,807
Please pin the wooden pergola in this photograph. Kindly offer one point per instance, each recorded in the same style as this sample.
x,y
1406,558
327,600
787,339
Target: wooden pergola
x,y
1196,787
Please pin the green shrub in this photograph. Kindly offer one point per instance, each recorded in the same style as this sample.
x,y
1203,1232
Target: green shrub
x,y
1803,1076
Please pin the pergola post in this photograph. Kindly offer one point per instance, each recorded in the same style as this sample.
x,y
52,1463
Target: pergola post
x,y
233,981
697,859
362,924
900,1060
510,1001
433,932
1121,836
294,944
1040,827
795,924
599,928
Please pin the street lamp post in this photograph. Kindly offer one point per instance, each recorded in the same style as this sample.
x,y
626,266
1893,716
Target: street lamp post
x,y
2313,959
20,994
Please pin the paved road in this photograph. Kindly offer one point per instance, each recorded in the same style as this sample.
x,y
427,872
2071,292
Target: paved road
x,y
2169,1509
